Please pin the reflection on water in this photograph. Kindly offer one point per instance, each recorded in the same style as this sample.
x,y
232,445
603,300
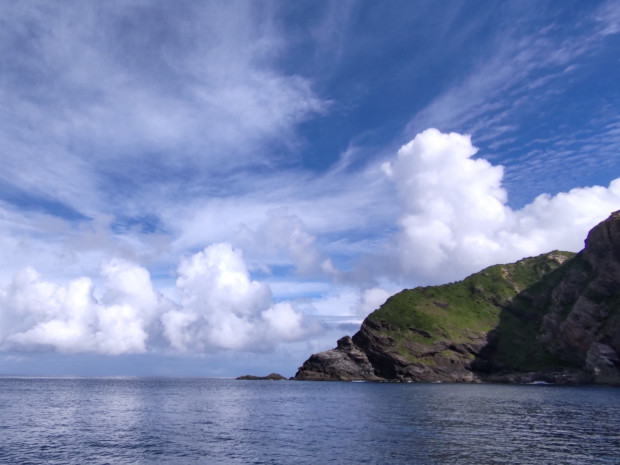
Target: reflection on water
x,y
143,421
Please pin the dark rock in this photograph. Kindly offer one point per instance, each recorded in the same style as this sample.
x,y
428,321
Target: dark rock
x,y
344,363
602,362
582,324
269,377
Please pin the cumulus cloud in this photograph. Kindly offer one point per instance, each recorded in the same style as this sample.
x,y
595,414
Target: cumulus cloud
x,y
455,218
218,301
38,314
220,308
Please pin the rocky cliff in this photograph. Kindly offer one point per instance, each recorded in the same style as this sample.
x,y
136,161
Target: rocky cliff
x,y
554,318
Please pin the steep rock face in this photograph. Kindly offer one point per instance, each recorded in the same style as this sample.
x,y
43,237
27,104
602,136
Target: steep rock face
x,y
555,317
583,322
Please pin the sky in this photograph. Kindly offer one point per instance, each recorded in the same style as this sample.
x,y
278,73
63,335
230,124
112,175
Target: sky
x,y
221,188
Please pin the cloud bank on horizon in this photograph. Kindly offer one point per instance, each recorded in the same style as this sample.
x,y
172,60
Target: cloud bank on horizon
x,y
454,221
201,180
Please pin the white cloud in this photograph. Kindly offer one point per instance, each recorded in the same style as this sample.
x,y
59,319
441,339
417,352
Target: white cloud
x,y
284,322
455,219
444,193
350,303
371,299
129,285
38,314
219,301
220,308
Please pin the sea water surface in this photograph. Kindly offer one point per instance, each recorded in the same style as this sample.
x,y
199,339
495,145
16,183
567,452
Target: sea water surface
x,y
212,421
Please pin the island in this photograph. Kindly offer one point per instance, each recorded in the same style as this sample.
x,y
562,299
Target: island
x,y
269,377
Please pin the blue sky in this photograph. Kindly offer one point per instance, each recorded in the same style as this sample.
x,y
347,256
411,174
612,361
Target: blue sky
x,y
220,188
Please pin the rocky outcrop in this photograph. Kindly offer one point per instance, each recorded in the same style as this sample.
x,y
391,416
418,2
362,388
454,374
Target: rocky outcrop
x,y
552,318
269,377
344,363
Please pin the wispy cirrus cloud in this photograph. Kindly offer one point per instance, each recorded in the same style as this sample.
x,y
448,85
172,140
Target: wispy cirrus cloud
x,y
485,99
517,87
91,92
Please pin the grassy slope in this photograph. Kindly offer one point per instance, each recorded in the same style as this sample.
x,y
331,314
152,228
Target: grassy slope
x,y
483,302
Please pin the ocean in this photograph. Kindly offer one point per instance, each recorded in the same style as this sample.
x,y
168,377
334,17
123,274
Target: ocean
x,y
220,421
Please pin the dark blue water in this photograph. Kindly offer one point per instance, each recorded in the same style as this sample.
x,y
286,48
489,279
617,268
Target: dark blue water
x,y
211,421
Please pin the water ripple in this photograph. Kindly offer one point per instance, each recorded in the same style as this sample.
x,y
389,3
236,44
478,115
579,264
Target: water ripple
x,y
192,421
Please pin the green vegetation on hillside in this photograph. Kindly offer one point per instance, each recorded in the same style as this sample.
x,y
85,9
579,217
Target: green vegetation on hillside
x,y
481,303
